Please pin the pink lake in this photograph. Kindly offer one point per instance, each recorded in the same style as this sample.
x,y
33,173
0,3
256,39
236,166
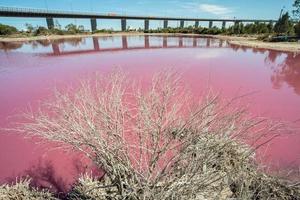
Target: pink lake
x,y
30,71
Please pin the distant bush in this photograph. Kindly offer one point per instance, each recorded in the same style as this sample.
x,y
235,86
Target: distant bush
x,y
103,31
253,28
7,30
41,31
73,29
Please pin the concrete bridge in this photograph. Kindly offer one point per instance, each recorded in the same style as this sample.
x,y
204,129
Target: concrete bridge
x,y
124,46
51,14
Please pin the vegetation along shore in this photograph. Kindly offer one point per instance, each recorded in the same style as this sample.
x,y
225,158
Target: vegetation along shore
x,y
283,35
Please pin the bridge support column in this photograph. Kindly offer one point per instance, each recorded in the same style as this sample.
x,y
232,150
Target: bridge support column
x,y
50,23
181,23
236,23
123,24
196,24
146,25
223,24
93,24
165,23
210,24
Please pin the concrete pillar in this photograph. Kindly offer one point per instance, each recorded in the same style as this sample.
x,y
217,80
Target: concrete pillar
x,y
96,44
124,42
236,23
123,24
196,24
165,23
147,43
146,25
93,24
50,23
223,24
210,24
181,23
165,42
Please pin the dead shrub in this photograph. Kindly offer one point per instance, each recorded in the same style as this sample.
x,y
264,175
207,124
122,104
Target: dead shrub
x,y
22,191
158,142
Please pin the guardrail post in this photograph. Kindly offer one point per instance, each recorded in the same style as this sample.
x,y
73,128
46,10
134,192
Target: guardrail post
x,y
93,24
146,25
181,23
123,24
210,24
196,24
50,23
165,23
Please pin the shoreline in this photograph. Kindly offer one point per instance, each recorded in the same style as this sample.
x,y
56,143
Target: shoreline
x,y
252,42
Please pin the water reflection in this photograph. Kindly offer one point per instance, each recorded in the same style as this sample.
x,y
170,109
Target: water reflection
x,y
287,72
285,66
7,46
32,69
58,46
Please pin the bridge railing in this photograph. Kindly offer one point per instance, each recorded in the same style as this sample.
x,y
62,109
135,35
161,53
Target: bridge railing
x,y
15,10
45,11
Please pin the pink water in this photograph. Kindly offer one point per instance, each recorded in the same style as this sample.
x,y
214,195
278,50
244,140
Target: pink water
x,y
29,71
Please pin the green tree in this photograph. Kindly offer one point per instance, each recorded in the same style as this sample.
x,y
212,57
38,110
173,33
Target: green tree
x,y
71,28
29,27
80,28
296,11
297,29
7,30
283,24
41,31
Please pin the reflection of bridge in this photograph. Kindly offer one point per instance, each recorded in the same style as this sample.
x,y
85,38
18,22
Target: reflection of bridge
x,y
50,14
125,46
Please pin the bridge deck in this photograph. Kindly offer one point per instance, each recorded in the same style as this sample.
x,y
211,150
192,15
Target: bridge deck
x,y
41,13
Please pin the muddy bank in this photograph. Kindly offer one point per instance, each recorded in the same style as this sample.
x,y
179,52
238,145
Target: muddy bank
x,y
254,43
